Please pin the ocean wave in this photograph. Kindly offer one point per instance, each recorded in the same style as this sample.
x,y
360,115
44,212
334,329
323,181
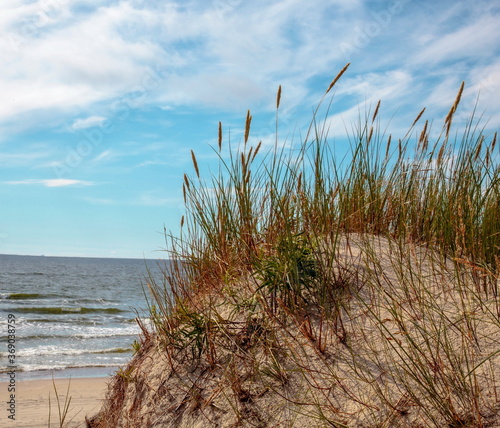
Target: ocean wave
x,y
68,331
31,296
64,335
54,350
39,322
44,367
69,310
23,296
103,334
28,273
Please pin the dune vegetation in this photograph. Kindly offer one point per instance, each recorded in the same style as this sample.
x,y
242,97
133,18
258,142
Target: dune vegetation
x,y
311,289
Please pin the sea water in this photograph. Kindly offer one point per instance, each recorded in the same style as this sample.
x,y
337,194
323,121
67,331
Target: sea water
x,y
72,312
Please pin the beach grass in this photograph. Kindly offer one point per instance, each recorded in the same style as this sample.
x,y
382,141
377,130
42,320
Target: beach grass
x,y
308,288
62,408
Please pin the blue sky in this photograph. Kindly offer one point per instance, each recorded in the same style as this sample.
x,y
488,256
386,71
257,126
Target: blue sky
x,y
102,101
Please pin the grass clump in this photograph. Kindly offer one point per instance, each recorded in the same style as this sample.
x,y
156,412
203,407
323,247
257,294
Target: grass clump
x,y
62,408
308,289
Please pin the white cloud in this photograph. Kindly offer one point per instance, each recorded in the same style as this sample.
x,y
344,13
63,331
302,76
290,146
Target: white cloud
x,y
485,81
88,122
376,86
57,182
22,159
477,39
231,55
154,163
81,59
106,155
363,93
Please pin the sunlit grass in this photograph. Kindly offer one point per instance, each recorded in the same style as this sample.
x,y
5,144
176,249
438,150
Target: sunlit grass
x,y
371,280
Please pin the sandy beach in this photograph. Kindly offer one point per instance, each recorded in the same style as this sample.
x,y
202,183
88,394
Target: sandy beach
x,y
32,401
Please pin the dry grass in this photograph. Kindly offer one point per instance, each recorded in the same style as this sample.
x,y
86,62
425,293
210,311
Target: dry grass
x,y
305,290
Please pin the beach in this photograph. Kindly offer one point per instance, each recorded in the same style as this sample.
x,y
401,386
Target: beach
x,y
69,318
32,401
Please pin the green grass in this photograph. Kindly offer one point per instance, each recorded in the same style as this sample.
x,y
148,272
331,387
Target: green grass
x,y
371,280
62,408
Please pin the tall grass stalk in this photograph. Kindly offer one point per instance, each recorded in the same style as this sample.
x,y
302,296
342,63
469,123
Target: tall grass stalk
x,y
62,408
282,235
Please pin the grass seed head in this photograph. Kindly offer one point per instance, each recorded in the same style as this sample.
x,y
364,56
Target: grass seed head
x,y
370,135
388,145
195,163
220,136
453,109
479,147
256,150
418,117
376,111
247,126
338,77
423,138
440,154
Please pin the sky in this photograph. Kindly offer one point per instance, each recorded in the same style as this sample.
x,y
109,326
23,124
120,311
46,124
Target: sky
x,y
102,101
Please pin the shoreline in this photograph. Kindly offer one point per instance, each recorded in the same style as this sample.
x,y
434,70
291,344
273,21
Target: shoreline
x,y
31,400
66,373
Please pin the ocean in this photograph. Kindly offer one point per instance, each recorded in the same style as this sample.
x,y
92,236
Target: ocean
x,y
72,314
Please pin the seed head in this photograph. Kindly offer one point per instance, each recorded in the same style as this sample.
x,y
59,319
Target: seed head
x,y
247,126
376,111
195,163
338,77
220,136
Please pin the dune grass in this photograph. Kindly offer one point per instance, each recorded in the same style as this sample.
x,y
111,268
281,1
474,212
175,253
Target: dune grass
x,y
370,281
62,408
